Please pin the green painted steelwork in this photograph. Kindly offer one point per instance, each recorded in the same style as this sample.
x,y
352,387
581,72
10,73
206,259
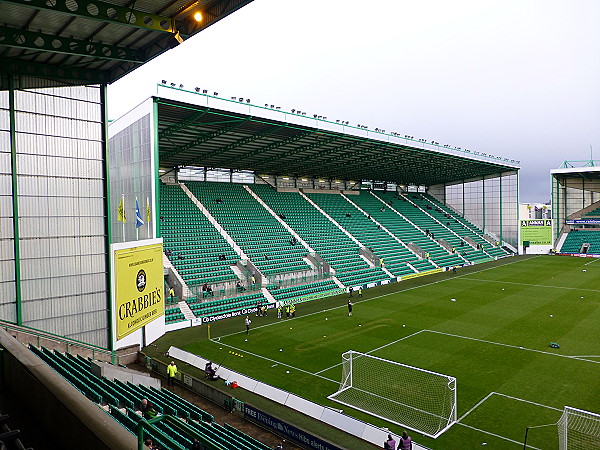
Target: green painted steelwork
x,y
63,73
108,214
156,201
15,197
204,137
105,12
37,41
243,141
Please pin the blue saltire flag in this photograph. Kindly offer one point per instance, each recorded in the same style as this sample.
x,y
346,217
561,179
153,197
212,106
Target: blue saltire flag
x,y
138,217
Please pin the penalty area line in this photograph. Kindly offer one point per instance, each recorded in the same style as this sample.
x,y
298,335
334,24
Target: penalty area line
x,y
374,350
273,361
496,435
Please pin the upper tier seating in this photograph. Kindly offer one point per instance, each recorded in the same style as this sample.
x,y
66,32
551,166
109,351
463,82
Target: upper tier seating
x,y
187,232
266,242
461,226
337,249
594,212
404,228
394,254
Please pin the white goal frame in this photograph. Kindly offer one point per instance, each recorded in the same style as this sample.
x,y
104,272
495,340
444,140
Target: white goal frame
x,y
347,383
571,423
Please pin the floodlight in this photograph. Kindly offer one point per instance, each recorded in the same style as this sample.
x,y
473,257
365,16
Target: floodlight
x,y
197,89
172,84
215,93
233,98
204,91
181,86
247,100
198,16
315,116
241,99
164,82
293,110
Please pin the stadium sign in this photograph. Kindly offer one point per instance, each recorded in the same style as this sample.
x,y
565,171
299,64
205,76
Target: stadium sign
x,y
286,430
536,232
139,296
583,222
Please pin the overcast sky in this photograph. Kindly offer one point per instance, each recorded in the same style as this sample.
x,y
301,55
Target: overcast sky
x,y
513,78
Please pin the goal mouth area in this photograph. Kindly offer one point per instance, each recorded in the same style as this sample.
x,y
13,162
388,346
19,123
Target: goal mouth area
x,y
413,398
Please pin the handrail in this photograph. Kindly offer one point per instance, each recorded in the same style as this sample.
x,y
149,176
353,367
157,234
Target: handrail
x,y
115,359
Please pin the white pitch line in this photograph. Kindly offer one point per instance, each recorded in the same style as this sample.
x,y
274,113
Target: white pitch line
x,y
533,285
474,407
514,346
496,435
526,401
592,262
274,361
374,350
382,295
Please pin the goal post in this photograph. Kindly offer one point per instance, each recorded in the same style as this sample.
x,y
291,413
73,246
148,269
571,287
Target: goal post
x,y
578,429
408,396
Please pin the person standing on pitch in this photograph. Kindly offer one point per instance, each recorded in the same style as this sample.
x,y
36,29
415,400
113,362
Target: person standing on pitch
x,y
405,442
171,371
349,307
350,290
248,322
360,292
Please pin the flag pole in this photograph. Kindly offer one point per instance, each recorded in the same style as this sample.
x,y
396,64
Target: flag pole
x,y
137,228
123,222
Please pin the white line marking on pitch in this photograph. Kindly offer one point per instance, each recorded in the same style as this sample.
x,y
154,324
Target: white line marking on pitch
x,y
474,407
274,361
514,346
526,401
533,285
592,262
496,435
381,296
374,350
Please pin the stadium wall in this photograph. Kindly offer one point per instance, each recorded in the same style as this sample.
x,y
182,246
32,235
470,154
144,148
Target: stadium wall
x,y
53,230
490,202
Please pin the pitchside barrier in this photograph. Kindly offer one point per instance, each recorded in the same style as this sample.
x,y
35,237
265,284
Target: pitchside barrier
x,y
350,425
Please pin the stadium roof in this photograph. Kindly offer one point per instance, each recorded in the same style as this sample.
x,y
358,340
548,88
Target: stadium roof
x,y
205,136
94,41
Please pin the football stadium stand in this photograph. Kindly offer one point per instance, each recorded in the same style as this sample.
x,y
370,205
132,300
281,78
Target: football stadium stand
x,y
121,400
366,237
576,239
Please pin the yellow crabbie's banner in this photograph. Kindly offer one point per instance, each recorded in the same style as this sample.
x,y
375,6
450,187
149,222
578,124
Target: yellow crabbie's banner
x,y
139,283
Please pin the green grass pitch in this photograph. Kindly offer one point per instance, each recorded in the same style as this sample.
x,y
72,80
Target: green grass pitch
x,y
494,338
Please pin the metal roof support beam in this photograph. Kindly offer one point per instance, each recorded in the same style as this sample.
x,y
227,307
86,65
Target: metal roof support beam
x,y
274,146
243,141
103,11
203,138
324,153
31,40
301,149
181,125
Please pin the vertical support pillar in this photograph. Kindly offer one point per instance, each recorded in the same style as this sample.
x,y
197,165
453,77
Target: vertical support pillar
x,y
463,198
107,212
483,202
15,196
156,200
501,208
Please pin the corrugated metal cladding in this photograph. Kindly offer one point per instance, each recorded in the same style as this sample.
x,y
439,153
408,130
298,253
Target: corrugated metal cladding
x,y
62,226
8,309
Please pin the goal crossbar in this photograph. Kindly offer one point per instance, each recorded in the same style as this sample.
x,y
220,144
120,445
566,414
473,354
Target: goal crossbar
x,y
578,429
415,398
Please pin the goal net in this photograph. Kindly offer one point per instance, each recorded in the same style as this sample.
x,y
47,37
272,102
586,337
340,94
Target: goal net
x,y
414,398
578,429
